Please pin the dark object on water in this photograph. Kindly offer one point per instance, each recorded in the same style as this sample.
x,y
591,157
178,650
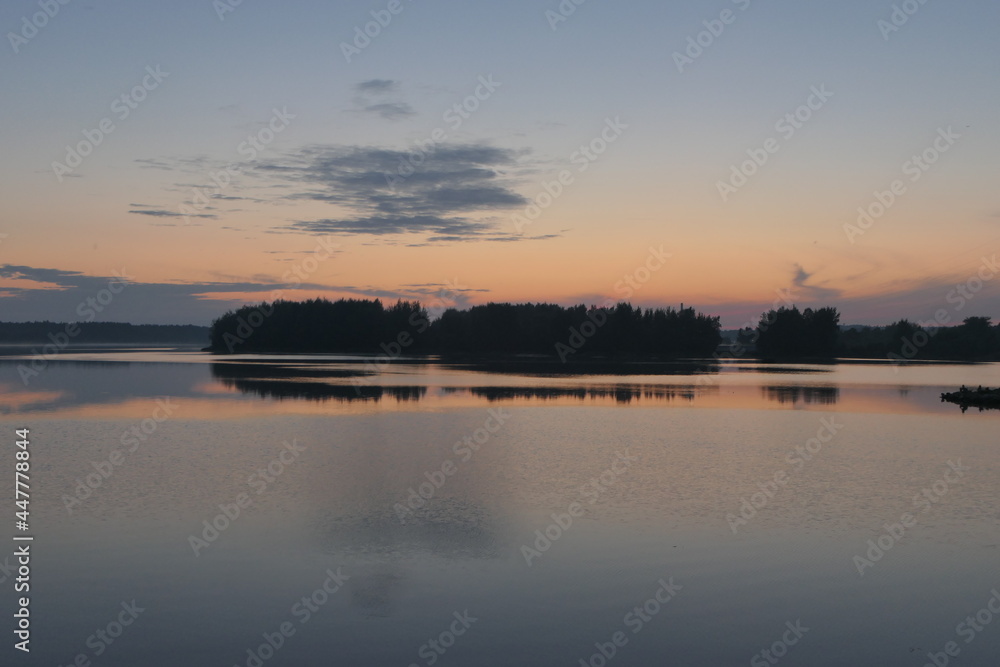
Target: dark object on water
x,y
983,399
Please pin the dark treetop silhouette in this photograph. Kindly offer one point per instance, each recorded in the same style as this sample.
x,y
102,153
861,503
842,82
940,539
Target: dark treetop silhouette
x,y
974,340
359,325
368,326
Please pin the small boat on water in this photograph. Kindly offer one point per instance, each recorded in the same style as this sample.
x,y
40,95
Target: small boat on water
x,y
982,398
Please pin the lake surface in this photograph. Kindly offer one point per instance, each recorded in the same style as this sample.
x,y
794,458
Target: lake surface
x,y
646,514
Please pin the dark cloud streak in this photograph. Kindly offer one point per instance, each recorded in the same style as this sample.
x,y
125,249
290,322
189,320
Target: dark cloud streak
x,y
377,86
389,195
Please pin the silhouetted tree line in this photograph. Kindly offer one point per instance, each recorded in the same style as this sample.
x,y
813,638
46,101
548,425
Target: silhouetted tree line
x,y
788,332
360,325
623,330
319,325
101,332
974,340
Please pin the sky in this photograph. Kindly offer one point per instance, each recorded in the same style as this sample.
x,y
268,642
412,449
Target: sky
x,y
164,162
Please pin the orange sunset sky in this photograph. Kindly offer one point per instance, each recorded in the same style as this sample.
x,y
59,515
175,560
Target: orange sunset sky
x,y
747,163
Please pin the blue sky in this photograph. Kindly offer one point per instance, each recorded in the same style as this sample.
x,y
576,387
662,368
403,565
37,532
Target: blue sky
x,y
657,183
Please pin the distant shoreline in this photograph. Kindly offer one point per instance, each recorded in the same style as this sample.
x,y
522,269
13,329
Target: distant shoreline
x,y
62,335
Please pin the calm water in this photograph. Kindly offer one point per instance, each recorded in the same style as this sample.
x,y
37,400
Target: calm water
x,y
743,496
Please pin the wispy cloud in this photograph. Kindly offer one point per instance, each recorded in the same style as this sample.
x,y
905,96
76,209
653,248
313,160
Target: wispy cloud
x,y
160,213
56,295
448,197
390,110
370,99
377,86
807,292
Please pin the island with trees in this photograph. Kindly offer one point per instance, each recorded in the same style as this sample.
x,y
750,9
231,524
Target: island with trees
x,y
584,332
363,325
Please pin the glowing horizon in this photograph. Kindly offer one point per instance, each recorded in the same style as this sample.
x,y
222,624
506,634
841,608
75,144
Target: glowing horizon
x,y
817,154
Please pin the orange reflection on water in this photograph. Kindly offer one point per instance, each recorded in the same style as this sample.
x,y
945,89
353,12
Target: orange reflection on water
x,y
11,398
219,400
